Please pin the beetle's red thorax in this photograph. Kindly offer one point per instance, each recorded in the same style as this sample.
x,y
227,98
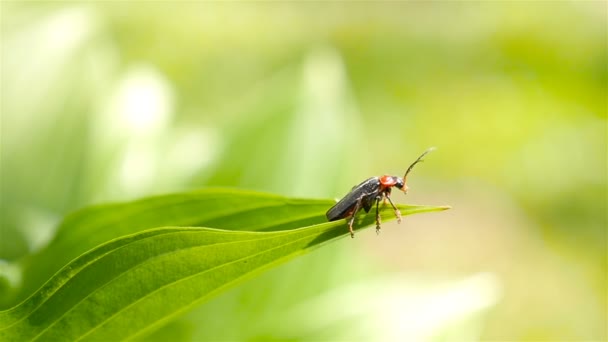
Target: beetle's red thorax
x,y
387,181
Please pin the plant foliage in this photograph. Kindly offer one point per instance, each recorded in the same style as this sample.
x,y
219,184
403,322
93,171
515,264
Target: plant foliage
x,y
118,271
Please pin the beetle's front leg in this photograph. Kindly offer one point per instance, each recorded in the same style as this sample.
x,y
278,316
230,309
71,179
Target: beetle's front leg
x,y
397,212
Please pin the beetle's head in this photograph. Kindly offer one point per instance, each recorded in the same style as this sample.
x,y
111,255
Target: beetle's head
x,y
401,183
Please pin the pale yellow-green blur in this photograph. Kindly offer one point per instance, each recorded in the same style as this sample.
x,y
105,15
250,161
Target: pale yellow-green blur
x,y
107,101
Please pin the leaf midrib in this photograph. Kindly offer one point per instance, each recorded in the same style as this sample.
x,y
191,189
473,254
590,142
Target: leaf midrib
x,y
156,257
199,274
57,276
75,238
163,230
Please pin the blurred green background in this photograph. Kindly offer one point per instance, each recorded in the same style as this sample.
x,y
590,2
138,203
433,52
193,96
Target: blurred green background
x,y
115,101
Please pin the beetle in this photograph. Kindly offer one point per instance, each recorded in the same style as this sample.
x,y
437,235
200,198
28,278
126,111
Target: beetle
x,y
369,191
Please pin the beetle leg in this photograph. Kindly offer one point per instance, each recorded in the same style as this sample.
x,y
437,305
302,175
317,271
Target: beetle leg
x,y
397,212
352,218
377,216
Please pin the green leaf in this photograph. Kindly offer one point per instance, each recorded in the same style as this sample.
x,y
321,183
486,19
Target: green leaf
x,y
126,277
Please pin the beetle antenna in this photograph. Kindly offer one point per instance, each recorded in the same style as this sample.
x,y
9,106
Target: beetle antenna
x,y
417,161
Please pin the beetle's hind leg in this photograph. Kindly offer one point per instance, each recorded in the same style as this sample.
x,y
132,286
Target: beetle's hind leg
x,y
352,218
378,219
